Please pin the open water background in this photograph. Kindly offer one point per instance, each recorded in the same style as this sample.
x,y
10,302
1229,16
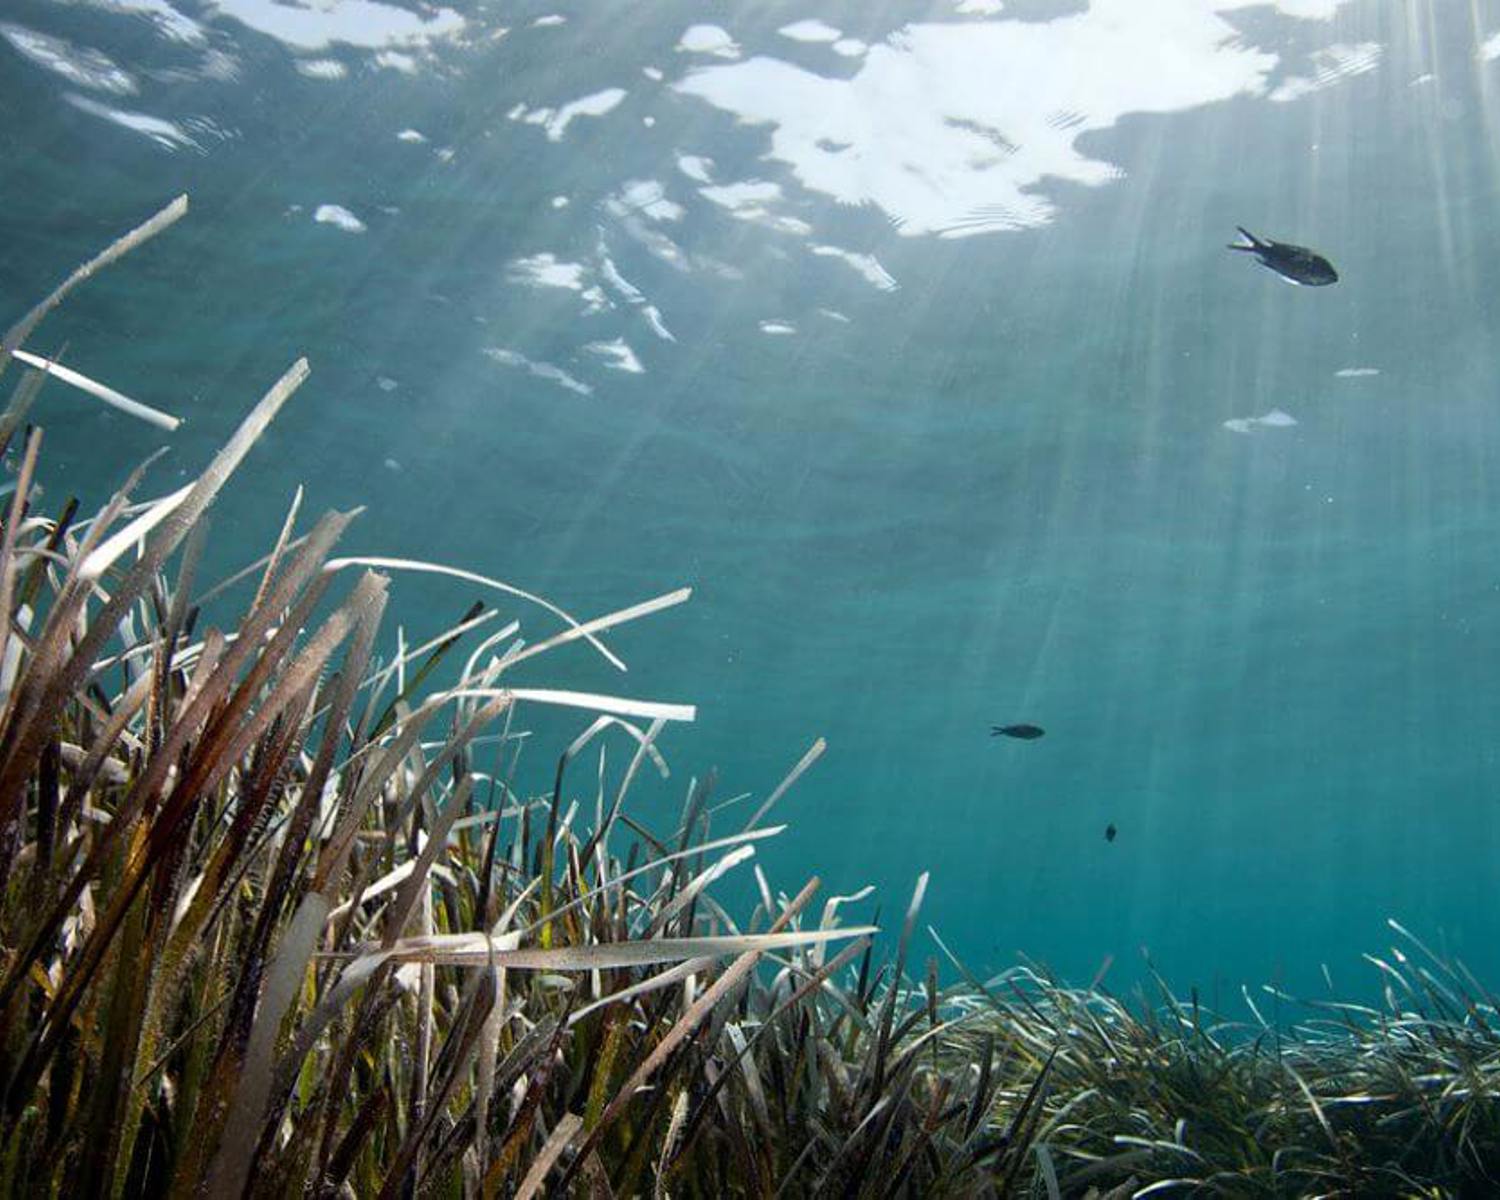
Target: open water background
x,y
905,334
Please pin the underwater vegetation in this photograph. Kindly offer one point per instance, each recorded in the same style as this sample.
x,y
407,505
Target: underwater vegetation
x,y
281,916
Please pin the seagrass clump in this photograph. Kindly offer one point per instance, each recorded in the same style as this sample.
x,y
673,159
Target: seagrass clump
x,y
281,916
1304,1096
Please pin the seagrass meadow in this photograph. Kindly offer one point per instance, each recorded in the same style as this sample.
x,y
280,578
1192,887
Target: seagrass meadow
x,y
284,915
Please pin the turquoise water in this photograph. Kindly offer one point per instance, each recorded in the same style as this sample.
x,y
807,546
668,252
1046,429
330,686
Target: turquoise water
x,y
904,334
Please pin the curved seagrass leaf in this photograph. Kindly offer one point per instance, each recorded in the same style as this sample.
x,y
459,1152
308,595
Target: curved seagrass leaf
x,y
676,974
117,249
129,536
619,705
100,391
696,885
600,624
814,752
475,950
411,564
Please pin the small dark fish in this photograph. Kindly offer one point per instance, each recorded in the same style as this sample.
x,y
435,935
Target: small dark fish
x,y
1295,264
1026,733
1110,831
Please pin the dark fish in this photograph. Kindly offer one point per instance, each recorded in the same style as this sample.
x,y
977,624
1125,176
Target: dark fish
x,y
1110,831
1295,264
1026,733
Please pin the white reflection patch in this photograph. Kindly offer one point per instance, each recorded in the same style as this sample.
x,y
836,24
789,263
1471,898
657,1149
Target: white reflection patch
x,y
163,132
617,356
556,121
953,128
810,31
363,23
79,65
339,217
394,60
322,68
649,198
541,370
866,264
708,39
749,200
696,167
547,270
1275,419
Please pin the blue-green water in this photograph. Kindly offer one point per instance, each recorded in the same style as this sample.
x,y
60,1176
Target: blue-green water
x,y
906,335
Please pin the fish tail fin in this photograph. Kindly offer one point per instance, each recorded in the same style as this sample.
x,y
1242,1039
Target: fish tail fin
x,y
1251,242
